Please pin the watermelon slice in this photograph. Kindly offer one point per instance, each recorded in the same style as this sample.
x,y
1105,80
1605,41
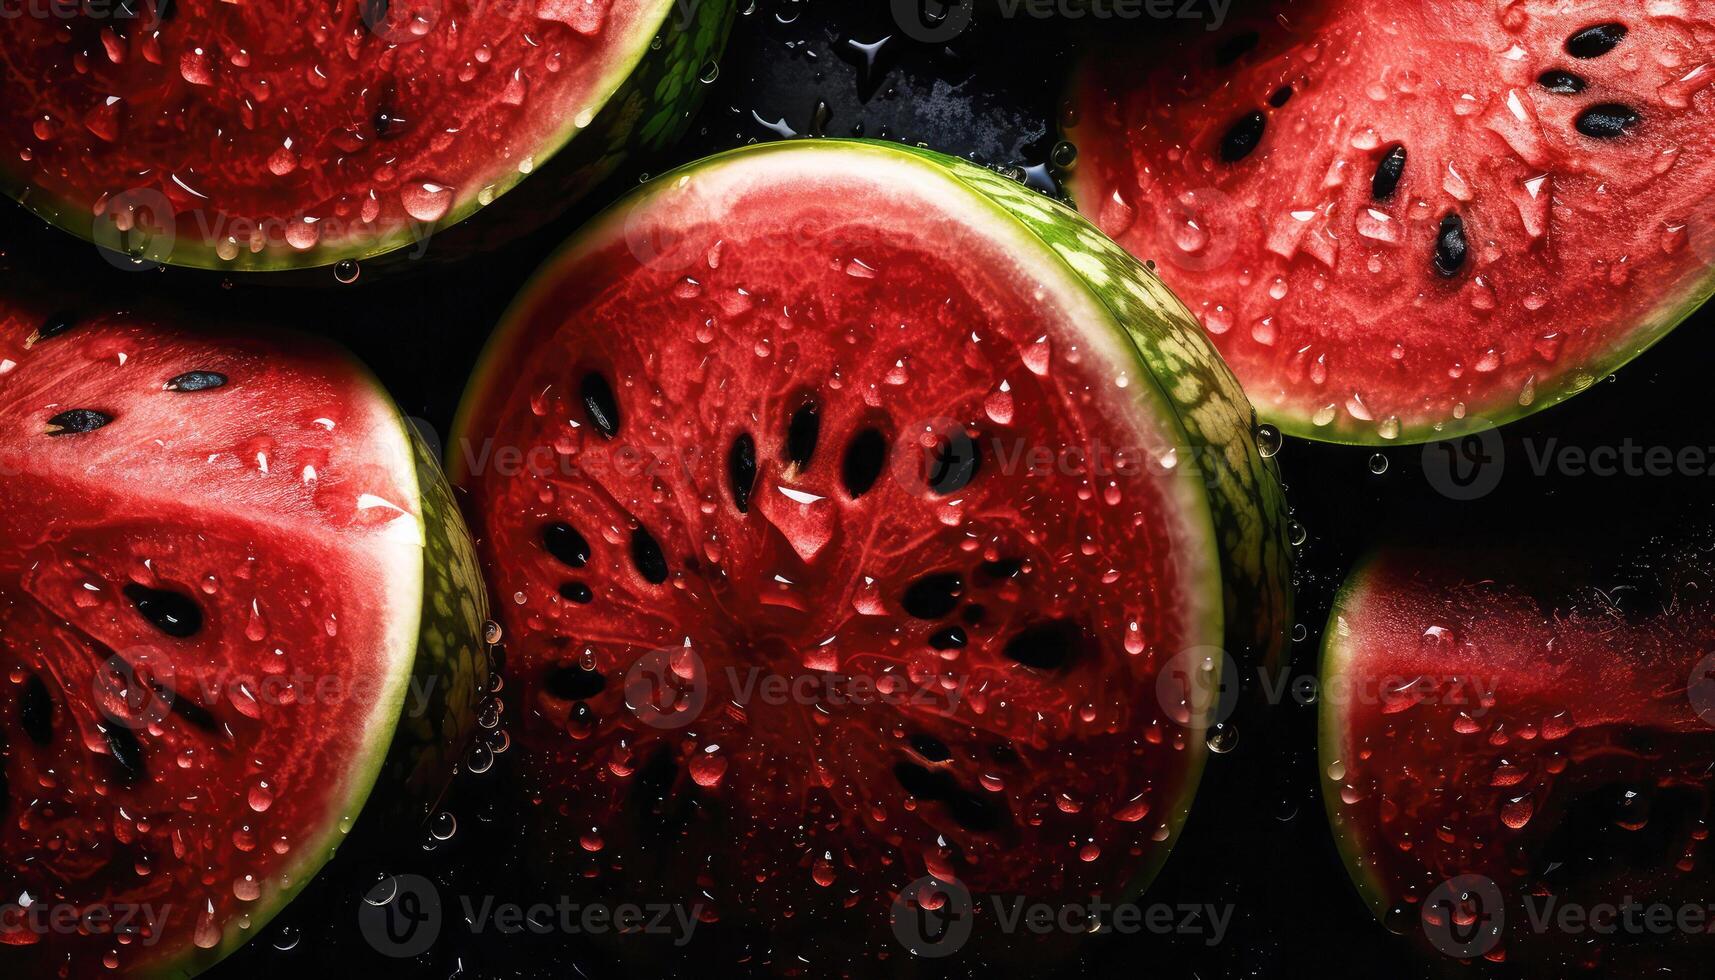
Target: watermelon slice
x,y
230,581
1492,757
1407,220
264,136
861,522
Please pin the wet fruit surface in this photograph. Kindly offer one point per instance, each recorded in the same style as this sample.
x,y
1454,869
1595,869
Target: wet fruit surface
x,y
200,663
1259,846
1407,223
1494,755
861,574
303,133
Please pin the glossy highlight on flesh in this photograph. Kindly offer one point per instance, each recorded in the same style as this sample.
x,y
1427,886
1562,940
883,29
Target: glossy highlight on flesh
x,y
855,568
1404,221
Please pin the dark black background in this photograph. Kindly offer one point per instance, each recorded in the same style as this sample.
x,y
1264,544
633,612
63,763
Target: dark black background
x,y
1257,837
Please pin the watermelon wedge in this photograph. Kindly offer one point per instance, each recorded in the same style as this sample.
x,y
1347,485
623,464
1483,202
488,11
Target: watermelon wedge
x,y
861,522
1498,750
298,134
1408,220
235,598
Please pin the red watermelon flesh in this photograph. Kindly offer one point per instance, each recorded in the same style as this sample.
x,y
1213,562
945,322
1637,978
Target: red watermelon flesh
x,y
301,133
1557,748
1407,219
211,590
800,620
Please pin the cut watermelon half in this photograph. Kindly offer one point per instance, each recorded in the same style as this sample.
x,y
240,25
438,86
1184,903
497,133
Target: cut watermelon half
x,y
230,581
1493,758
1407,220
299,134
859,520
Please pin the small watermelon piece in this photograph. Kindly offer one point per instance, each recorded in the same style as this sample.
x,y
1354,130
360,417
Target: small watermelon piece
x,y
813,419
1489,753
1407,220
227,570
293,134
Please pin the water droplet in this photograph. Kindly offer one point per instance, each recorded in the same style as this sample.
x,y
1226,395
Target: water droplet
x,y
443,826
1223,738
426,200
1268,440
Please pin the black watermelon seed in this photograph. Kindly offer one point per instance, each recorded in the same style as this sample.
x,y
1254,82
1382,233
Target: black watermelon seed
x,y
577,592
122,742
52,327
802,433
36,711
866,456
1607,121
974,613
951,638
77,420
1236,47
389,123
1561,82
1281,96
375,13
923,782
1594,42
187,709
1242,137
1388,172
955,463
171,613
930,747
1450,246
741,471
568,547
1048,646
646,555
933,596
599,403
197,381
976,812
574,682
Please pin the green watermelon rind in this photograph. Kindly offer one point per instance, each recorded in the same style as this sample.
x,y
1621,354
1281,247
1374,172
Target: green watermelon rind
x,y
646,104
444,609
1250,508
1238,503
1649,331
1337,654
